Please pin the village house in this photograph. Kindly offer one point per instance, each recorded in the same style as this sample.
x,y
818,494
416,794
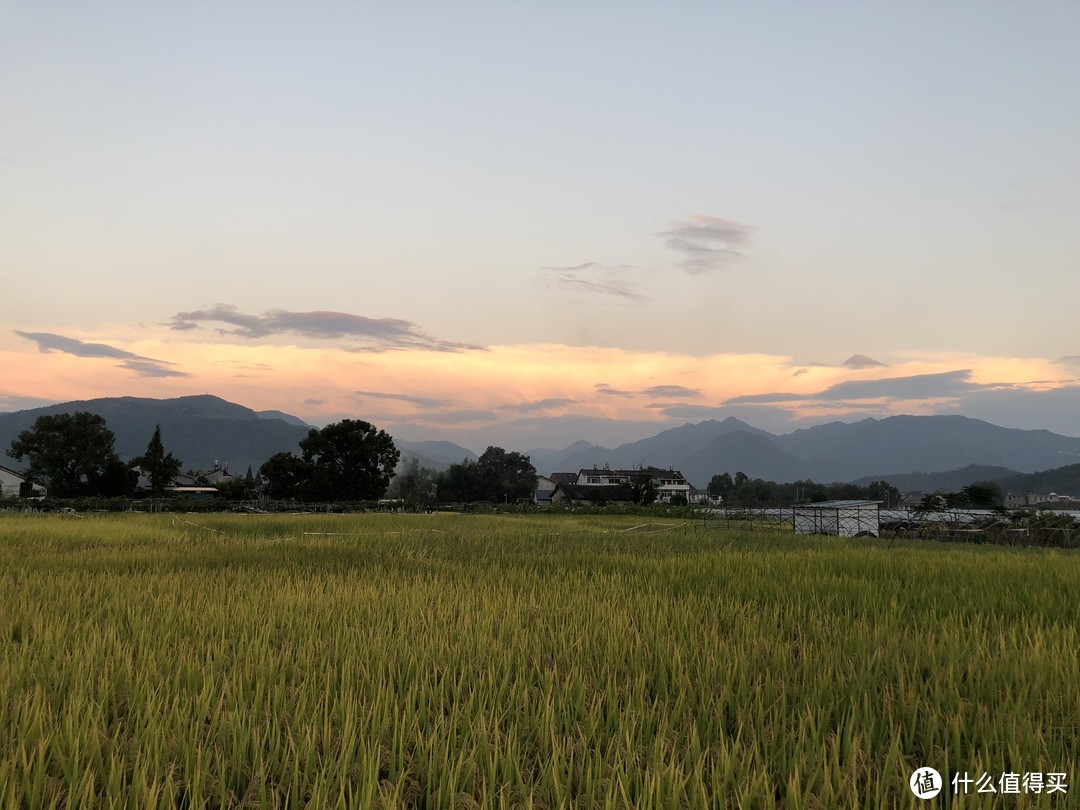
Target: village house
x,y
607,485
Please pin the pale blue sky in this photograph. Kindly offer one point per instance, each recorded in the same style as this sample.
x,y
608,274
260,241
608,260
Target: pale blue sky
x,y
808,180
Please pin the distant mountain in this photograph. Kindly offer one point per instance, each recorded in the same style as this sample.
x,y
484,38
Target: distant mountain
x,y
1063,480
435,455
844,452
198,430
752,453
284,417
948,481
547,461
666,449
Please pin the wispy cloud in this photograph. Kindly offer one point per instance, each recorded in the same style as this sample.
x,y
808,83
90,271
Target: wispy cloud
x,y
917,386
142,366
707,243
654,392
758,399
375,334
607,390
422,402
537,405
593,277
670,391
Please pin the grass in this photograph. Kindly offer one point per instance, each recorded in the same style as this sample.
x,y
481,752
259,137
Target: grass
x,y
501,661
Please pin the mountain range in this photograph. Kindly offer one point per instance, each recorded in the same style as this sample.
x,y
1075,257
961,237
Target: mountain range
x,y
922,452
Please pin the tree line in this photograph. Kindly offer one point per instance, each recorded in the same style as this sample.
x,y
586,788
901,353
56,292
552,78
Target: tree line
x,y
742,490
74,455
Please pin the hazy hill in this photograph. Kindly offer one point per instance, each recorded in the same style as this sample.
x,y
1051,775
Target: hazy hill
x,y
1063,480
755,454
948,481
198,430
546,460
435,455
669,448
845,452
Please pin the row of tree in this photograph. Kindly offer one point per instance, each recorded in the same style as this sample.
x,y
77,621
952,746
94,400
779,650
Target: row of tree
x,y
74,454
498,476
741,490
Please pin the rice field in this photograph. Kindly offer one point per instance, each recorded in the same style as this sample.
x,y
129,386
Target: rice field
x,y
512,662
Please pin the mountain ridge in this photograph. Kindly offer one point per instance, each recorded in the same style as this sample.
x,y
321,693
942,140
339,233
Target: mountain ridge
x,y
204,429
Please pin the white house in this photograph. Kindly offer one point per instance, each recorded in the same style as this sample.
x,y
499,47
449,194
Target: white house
x,y
669,483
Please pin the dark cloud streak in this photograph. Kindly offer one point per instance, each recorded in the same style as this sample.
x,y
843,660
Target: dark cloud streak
x,y
707,243
142,366
377,334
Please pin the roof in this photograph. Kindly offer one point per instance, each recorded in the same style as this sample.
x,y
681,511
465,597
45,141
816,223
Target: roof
x,y
654,472
839,505
16,473
563,478
586,492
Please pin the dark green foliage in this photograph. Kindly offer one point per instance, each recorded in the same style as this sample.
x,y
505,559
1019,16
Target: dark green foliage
x,y
755,492
73,454
497,476
160,467
414,484
721,486
643,489
349,460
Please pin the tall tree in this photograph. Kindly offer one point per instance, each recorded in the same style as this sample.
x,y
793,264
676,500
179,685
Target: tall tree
x,y
497,476
414,484
73,454
160,467
346,460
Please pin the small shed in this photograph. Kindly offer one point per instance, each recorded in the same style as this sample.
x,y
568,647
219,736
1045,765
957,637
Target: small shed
x,y
841,518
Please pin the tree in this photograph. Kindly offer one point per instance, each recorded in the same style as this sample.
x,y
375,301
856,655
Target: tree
x,y
73,454
346,460
506,475
286,476
498,476
160,467
414,484
721,486
984,495
643,489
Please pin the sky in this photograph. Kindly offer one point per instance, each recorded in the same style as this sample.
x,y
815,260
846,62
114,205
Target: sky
x,y
527,224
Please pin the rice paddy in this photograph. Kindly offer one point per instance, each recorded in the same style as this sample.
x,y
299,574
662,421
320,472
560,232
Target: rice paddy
x,y
505,661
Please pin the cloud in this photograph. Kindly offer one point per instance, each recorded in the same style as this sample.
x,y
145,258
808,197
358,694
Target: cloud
x,y
607,390
537,405
592,277
460,417
152,368
707,243
376,334
142,366
423,402
667,391
761,399
917,386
